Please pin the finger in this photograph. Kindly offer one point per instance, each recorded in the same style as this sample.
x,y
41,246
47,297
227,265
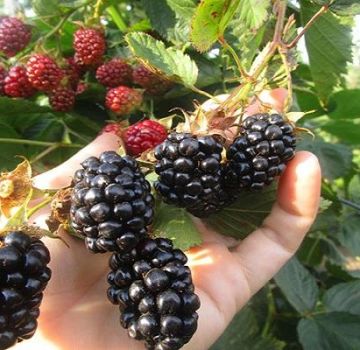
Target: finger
x,y
275,98
266,250
62,174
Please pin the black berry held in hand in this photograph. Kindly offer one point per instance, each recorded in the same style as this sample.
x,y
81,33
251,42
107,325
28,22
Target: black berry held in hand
x,y
111,203
189,170
266,144
23,277
155,294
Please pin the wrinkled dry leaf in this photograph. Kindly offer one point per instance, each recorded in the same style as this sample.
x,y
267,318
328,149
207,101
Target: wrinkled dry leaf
x,y
15,186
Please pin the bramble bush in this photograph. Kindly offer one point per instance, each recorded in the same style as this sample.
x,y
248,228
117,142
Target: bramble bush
x,y
184,51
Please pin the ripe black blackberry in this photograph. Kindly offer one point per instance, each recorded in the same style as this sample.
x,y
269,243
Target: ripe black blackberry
x,y
23,277
111,203
154,290
189,169
266,144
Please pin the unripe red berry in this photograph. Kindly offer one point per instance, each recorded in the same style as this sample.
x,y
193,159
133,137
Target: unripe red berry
x,y
123,100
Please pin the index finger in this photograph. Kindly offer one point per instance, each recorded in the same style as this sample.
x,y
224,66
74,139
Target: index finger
x,y
61,175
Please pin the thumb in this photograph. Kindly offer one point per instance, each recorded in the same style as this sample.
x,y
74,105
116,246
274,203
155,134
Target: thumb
x,y
61,175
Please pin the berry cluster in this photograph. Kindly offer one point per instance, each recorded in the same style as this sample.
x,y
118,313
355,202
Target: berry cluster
x,y
193,175
112,207
60,80
111,203
190,172
155,294
23,277
260,153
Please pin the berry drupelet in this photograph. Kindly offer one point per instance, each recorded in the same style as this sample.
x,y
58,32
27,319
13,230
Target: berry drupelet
x,y
111,203
190,170
89,45
43,72
143,135
14,35
151,82
123,100
17,83
114,73
155,293
62,99
266,144
23,277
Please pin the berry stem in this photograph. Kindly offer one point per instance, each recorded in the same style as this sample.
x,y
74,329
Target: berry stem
x,y
40,143
116,17
236,58
289,97
294,42
39,206
201,92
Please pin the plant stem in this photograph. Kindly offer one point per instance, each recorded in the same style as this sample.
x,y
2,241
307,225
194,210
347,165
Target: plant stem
x,y
115,15
350,204
293,43
40,143
236,58
201,92
270,314
289,97
44,153
37,207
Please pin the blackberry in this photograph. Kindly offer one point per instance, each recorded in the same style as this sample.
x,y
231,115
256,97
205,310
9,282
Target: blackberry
x,y
154,290
23,277
266,144
190,171
111,203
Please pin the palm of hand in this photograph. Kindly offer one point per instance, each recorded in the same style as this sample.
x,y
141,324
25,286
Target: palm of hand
x,y
76,314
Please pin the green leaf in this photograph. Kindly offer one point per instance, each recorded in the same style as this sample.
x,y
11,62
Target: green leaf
x,y
335,159
210,21
335,330
349,235
328,43
172,62
247,214
344,297
253,13
298,285
183,8
345,104
162,18
8,151
346,7
176,224
237,336
15,106
348,131
45,8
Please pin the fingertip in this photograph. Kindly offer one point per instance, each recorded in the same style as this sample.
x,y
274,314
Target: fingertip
x,y
61,175
300,185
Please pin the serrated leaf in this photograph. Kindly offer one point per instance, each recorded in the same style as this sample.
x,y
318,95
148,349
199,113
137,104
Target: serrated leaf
x,y
349,235
183,8
46,8
176,224
161,16
172,62
253,13
210,21
328,43
344,104
343,297
14,106
335,330
241,218
298,285
335,159
346,7
236,336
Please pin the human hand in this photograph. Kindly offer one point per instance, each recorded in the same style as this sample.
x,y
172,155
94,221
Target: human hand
x,y
76,314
